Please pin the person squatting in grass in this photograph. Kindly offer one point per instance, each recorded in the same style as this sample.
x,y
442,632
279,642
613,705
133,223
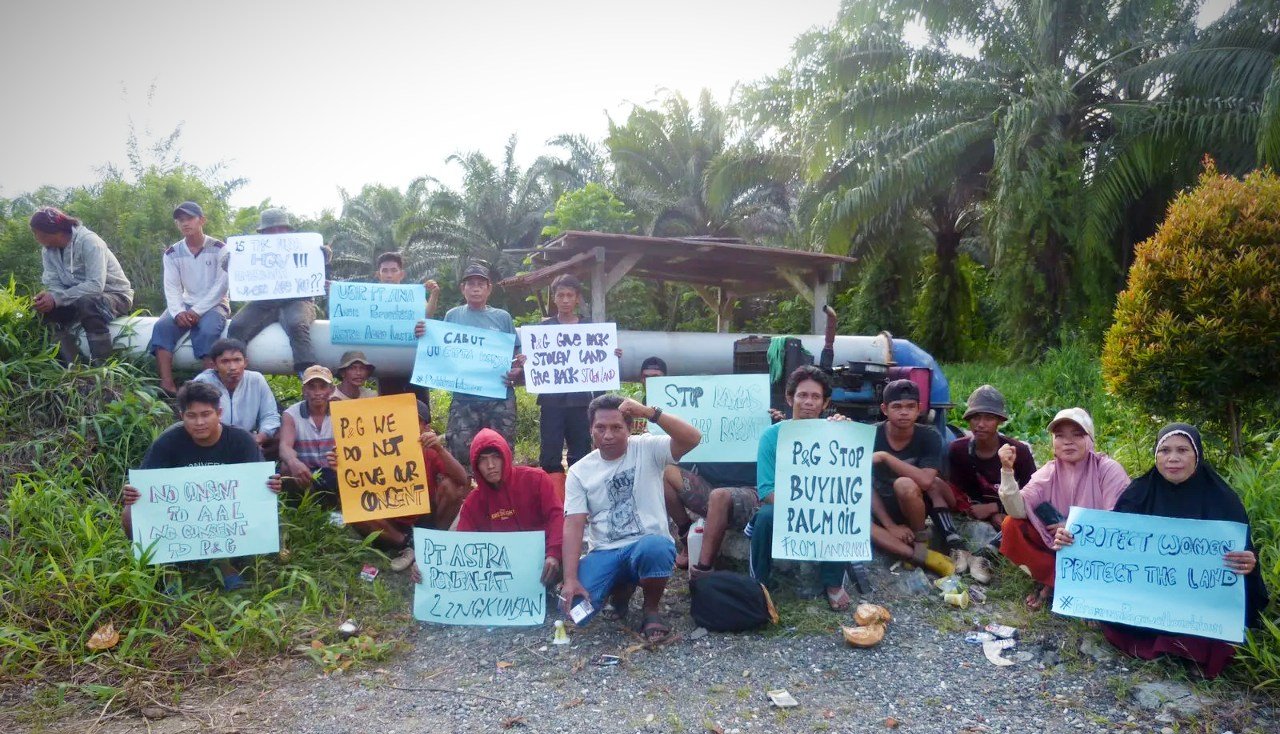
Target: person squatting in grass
x,y
247,400
1183,485
201,439
1077,476
447,487
83,284
906,485
195,294
616,491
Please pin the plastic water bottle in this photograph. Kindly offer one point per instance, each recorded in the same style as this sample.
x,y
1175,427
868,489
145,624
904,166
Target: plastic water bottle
x,y
695,541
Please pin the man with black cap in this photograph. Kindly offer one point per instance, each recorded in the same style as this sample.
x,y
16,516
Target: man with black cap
x,y
974,461
353,372
195,294
904,477
469,413
294,314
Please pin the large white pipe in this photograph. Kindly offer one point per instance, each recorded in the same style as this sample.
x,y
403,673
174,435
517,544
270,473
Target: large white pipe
x,y
686,353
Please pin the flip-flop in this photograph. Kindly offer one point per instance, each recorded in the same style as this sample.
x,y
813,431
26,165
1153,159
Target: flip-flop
x,y
653,629
839,601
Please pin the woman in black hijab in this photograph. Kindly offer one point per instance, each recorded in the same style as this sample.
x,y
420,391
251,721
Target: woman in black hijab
x,y
1183,485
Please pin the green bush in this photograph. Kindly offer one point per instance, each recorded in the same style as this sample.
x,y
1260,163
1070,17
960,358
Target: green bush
x,y
1197,330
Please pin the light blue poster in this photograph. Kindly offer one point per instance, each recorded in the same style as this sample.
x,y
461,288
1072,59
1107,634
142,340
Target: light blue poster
x,y
490,579
197,512
463,359
822,491
731,411
1155,572
375,313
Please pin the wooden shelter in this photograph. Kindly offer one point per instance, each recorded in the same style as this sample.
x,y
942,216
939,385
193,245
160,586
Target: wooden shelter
x,y
719,270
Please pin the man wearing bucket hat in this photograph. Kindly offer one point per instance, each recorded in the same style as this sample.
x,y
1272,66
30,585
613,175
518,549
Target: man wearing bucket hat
x,y
975,465
353,372
294,314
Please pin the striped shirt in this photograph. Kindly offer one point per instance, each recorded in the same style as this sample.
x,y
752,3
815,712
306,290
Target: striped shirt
x,y
311,443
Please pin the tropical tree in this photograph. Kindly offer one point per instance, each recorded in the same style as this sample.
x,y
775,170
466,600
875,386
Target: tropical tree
x,y
373,222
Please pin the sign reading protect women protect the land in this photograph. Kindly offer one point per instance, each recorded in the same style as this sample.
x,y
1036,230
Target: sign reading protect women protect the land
x,y
570,358
268,266
375,313
380,466
463,359
490,579
197,512
822,491
731,411
1155,572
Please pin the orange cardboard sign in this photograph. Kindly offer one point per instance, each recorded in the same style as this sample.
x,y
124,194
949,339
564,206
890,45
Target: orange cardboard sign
x,y
380,466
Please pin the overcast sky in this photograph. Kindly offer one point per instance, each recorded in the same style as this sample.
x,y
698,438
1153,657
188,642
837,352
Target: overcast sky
x,y
304,97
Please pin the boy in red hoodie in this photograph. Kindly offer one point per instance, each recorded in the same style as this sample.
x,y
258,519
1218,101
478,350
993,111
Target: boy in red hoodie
x,y
509,498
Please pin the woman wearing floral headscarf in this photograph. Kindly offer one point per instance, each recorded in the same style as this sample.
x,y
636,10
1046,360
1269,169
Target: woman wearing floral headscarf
x,y
1184,485
1078,476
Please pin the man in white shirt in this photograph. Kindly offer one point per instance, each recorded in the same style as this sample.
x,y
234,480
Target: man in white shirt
x,y
618,488
195,294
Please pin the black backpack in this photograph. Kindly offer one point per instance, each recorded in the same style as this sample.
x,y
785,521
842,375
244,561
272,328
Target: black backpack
x,y
724,601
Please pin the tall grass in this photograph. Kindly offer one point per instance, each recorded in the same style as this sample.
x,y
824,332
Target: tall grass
x,y
1071,376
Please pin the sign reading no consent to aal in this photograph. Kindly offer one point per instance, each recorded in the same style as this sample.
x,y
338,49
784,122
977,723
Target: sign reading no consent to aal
x,y
268,266
197,512
380,466
822,491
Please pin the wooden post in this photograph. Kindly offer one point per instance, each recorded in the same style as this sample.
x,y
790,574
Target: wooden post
x,y
820,289
599,287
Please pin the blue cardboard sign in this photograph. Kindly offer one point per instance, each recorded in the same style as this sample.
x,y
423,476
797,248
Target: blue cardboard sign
x,y
196,512
731,411
463,359
822,491
488,579
375,313
1155,572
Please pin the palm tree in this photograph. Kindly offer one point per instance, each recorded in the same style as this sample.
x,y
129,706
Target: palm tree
x,y
370,225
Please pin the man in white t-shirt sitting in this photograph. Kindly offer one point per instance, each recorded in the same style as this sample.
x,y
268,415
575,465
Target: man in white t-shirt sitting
x,y
618,487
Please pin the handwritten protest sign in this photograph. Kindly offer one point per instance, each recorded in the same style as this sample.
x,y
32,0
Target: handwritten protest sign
x,y
266,266
1154,572
463,359
375,313
490,579
380,467
730,410
822,491
570,358
196,512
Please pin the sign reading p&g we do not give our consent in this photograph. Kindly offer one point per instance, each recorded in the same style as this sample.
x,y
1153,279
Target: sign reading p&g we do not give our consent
x,y
1155,572
198,512
822,491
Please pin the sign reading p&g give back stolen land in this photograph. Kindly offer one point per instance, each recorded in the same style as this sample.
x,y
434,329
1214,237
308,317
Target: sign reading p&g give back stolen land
x,y
268,266
464,359
822,491
375,313
380,466
490,579
1155,572
570,357
731,411
198,512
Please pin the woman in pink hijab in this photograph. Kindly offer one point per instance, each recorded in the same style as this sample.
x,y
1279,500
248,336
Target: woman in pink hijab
x,y
1078,476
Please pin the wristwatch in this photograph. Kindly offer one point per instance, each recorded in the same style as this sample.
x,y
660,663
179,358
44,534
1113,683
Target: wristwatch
x,y
657,413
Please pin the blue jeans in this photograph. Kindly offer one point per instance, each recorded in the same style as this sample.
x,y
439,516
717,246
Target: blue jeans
x,y
166,332
831,572
650,557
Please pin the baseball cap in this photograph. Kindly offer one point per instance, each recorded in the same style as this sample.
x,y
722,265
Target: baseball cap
x,y
986,399
317,372
188,208
901,390
1077,416
476,270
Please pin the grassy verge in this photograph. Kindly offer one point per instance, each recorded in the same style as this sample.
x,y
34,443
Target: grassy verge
x,y
67,570
1071,377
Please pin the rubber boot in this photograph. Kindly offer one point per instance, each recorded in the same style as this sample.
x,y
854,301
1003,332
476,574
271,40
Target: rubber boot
x,y
933,561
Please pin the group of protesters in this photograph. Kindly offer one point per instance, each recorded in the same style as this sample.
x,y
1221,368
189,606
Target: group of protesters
x,y
601,484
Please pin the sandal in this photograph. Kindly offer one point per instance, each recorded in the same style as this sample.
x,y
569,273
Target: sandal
x,y
839,601
653,629
1037,599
